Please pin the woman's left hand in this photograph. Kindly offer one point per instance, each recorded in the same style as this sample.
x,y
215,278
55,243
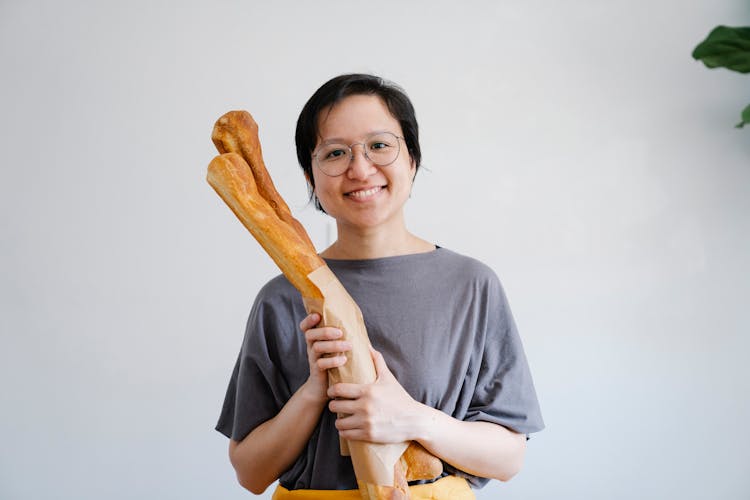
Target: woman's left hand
x,y
380,412
383,412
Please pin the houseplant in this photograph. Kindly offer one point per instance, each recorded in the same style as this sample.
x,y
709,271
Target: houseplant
x,y
729,48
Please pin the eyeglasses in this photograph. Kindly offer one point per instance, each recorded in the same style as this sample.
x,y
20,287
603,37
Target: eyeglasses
x,y
381,149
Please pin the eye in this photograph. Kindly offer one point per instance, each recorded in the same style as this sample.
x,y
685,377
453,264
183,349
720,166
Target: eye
x,y
334,153
381,143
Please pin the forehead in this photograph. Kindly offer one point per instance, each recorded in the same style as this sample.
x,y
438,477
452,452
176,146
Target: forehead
x,y
354,117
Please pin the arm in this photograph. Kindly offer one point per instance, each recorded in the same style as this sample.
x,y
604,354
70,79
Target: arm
x,y
384,412
480,448
272,447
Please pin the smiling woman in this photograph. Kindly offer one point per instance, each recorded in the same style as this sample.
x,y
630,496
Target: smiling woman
x,y
451,370
367,200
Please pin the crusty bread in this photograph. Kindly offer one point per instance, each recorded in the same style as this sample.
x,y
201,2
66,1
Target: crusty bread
x,y
419,463
232,179
240,178
237,132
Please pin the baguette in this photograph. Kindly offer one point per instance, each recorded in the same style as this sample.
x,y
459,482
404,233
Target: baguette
x,y
234,182
237,132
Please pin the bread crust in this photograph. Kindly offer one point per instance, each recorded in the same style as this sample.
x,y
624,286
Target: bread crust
x,y
237,132
419,463
232,179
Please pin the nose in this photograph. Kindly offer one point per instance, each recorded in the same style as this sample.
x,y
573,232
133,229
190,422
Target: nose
x,y
360,167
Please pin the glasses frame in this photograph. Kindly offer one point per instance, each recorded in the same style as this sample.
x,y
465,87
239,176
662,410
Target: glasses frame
x,y
350,147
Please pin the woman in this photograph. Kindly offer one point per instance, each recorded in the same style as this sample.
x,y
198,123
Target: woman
x,y
451,372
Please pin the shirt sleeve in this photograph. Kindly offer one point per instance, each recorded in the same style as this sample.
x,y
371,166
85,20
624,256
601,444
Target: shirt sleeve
x,y
258,386
504,392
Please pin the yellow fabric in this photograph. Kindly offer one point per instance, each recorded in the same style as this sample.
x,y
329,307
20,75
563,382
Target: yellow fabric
x,y
447,488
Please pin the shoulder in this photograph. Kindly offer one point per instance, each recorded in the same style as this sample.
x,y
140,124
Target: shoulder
x,y
471,277
277,300
272,325
467,267
276,288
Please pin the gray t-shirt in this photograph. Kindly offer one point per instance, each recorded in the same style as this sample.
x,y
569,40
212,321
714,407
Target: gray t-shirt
x,y
443,325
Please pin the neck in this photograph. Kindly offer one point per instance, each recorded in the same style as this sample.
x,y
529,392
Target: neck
x,y
375,243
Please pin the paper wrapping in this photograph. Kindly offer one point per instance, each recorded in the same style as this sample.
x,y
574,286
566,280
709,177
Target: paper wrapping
x,y
373,463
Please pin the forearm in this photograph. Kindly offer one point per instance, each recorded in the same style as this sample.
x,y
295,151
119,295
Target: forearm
x,y
272,447
480,448
383,412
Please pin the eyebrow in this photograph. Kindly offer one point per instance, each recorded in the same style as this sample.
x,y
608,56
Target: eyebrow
x,y
340,140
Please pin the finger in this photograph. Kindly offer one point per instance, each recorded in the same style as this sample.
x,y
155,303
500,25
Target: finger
x,y
324,333
331,346
343,406
310,321
328,362
347,422
346,391
355,435
381,369
357,429
365,435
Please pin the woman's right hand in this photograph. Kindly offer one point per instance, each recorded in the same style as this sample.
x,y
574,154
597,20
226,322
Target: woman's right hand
x,y
325,350
273,446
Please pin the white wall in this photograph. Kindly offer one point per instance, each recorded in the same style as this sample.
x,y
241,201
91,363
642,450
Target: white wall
x,y
574,146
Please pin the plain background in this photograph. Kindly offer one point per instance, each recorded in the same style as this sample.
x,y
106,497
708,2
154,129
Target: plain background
x,y
575,147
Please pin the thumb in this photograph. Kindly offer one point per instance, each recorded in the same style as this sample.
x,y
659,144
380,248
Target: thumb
x,y
381,369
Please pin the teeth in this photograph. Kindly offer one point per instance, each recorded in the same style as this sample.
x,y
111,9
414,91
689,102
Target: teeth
x,y
365,193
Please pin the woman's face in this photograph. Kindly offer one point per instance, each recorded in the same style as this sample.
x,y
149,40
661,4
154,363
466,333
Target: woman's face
x,y
365,196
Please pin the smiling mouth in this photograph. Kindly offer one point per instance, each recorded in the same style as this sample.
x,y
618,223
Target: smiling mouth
x,y
363,194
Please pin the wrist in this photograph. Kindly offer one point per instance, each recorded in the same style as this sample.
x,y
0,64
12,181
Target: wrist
x,y
312,395
424,423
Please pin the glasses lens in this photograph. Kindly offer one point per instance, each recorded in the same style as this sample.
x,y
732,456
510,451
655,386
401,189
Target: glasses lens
x,y
333,159
382,149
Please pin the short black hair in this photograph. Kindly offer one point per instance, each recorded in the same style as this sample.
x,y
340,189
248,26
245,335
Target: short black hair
x,y
335,90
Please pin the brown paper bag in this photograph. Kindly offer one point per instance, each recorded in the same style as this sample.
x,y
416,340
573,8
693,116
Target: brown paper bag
x,y
373,463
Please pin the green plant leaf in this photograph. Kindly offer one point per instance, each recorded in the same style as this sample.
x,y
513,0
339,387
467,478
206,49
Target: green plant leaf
x,y
726,47
745,117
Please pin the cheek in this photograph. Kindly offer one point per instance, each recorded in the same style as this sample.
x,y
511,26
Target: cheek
x,y
324,190
411,172
319,184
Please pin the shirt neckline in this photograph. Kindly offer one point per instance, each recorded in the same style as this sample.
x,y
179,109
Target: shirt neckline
x,y
384,261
